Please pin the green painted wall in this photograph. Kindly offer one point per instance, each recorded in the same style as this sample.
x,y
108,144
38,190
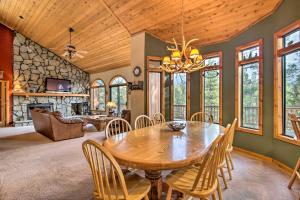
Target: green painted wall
x,y
288,12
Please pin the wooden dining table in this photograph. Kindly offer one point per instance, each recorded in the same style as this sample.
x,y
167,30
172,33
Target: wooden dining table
x,y
158,148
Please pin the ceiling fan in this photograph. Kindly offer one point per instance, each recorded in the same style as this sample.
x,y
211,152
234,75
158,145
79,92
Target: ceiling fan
x,y
70,51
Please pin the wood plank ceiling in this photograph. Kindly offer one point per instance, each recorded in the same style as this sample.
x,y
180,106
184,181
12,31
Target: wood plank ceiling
x,y
104,27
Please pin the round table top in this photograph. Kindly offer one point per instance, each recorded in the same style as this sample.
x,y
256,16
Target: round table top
x,y
159,148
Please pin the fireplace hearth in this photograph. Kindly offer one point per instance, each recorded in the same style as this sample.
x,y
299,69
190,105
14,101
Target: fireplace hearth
x,y
80,108
46,106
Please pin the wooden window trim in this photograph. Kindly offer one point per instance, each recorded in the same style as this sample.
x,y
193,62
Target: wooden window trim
x,y
103,86
220,68
258,59
162,83
279,51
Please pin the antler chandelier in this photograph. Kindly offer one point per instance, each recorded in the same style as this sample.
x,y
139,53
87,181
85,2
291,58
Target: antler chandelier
x,y
188,59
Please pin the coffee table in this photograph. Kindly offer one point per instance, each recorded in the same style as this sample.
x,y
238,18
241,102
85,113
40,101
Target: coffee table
x,y
99,121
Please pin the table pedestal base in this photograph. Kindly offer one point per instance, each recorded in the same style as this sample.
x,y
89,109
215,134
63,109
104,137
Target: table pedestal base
x,y
156,184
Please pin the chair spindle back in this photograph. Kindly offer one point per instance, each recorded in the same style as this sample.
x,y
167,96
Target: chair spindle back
x,y
108,179
142,121
117,126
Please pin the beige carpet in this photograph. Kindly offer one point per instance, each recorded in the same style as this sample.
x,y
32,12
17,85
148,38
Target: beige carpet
x,y
32,167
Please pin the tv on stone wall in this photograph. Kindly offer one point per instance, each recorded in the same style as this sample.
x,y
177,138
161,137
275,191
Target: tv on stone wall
x,y
58,85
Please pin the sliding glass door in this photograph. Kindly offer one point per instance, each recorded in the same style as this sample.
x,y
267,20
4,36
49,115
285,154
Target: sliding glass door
x,y
179,96
154,93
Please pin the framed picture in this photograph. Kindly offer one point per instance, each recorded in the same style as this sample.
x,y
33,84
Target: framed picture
x,y
1,74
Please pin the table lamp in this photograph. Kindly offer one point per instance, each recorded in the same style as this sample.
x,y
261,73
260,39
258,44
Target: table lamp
x,y
111,105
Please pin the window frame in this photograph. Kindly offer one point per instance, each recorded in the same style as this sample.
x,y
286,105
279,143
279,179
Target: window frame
x,y
279,52
118,85
238,64
162,84
102,86
217,67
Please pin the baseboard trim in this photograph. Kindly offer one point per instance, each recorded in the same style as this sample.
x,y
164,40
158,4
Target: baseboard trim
x,y
282,166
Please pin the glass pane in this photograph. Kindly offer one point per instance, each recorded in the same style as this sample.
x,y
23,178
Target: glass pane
x,y
211,94
98,98
123,99
114,96
101,96
250,53
97,83
179,96
250,95
118,80
154,93
291,64
214,61
291,38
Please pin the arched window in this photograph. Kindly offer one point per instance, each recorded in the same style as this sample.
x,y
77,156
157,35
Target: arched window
x,y
118,93
98,95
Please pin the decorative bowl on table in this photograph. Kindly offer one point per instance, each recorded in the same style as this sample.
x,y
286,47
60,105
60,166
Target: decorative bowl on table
x,y
176,126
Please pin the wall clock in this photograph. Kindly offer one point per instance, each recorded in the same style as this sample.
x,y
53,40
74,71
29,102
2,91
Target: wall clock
x,y
137,71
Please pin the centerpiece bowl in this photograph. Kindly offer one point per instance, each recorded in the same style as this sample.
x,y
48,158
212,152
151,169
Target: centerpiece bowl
x,y
176,126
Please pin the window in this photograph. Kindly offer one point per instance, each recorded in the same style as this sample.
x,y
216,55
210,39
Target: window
x,y
179,96
248,87
167,93
98,95
155,91
118,93
286,80
211,91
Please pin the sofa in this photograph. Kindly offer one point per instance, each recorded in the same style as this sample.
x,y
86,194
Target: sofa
x,y
126,114
54,126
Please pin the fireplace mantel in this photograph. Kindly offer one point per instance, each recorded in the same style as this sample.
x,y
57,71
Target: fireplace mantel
x,y
27,94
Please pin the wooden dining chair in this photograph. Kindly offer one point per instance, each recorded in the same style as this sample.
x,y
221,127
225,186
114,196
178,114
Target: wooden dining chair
x,y
117,126
109,181
296,126
158,118
295,121
200,182
223,147
201,117
228,157
142,121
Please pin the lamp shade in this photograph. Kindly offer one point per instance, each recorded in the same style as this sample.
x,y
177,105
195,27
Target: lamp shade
x,y
176,55
194,53
111,105
17,87
166,60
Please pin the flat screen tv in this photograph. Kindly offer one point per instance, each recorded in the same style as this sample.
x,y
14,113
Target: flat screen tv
x,y
58,85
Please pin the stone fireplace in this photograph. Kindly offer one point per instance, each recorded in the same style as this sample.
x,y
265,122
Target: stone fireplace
x,y
32,65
